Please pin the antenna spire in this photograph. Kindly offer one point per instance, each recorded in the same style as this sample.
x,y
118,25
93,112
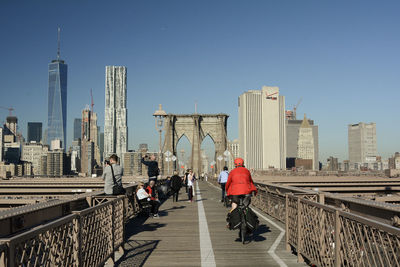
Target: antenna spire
x,y
91,96
58,44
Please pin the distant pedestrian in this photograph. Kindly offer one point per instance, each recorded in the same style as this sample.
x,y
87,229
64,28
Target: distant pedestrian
x,y
176,184
222,179
190,185
185,179
112,176
152,166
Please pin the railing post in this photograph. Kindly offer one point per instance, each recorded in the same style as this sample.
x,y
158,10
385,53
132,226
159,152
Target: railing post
x,y
321,197
299,221
111,260
337,239
77,238
121,248
113,231
287,222
11,255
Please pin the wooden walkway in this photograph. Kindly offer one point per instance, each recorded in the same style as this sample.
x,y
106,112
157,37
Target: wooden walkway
x,y
173,238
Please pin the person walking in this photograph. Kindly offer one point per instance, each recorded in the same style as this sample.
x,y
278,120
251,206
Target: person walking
x,y
152,166
185,180
112,176
176,184
190,185
222,179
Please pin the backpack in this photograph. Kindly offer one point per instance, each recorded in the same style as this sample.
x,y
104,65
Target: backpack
x,y
233,219
251,220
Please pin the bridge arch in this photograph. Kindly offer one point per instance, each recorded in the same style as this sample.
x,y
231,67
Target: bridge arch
x,y
196,127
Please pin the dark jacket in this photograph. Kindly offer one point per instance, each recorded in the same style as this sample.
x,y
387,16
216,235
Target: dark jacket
x,y
176,182
152,170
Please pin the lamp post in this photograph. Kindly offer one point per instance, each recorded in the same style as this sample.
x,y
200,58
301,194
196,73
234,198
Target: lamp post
x,y
159,116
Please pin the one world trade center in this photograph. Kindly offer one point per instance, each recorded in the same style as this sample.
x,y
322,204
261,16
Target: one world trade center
x,y
57,99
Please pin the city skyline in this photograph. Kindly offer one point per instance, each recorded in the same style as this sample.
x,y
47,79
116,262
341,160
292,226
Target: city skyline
x,y
337,70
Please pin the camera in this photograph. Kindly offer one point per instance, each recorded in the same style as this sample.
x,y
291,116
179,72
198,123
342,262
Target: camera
x,y
107,162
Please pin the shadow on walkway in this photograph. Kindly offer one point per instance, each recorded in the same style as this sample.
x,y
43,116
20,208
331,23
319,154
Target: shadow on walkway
x,y
137,252
257,235
139,224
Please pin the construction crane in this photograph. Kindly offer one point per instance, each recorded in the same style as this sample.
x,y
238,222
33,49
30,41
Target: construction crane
x,y
295,108
10,110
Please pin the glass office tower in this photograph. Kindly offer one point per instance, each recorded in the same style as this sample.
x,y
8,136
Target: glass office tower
x,y
57,102
77,128
34,132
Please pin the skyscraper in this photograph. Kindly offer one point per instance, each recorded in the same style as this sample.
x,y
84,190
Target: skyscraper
x,y
57,99
362,142
77,128
262,132
34,132
305,143
90,152
233,148
292,140
1,144
115,116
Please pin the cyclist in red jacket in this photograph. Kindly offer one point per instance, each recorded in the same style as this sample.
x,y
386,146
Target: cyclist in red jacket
x,y
240,184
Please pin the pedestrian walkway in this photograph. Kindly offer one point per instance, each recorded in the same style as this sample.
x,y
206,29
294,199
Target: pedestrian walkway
x,y
195,234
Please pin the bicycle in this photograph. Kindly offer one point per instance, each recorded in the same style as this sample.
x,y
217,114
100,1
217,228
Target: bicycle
x,y
242,207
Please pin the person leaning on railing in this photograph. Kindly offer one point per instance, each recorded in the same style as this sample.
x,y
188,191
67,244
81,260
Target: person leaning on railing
x,y
112,172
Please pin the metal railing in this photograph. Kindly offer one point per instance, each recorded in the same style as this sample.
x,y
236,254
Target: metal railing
x,y
329,236
84,238
84,231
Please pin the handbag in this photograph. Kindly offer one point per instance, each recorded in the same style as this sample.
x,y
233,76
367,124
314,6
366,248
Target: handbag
x,y
117,188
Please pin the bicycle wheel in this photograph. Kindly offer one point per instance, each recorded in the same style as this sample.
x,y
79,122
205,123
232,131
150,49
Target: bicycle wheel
x,y
243,229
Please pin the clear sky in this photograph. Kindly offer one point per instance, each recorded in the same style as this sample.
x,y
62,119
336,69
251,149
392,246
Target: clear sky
x,y
341,57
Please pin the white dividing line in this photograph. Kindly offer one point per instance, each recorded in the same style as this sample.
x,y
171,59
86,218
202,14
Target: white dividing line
x,y
206,249
272,249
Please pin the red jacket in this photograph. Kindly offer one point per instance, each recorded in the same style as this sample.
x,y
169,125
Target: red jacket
x,y
240,182
152,193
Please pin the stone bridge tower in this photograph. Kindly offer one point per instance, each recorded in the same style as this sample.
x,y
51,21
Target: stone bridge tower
x,y
196,127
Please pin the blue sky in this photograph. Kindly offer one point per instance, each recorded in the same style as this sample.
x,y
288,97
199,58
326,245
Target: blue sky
x,y
341,57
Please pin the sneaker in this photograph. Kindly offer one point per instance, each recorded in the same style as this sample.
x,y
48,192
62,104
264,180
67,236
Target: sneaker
x,y
156,216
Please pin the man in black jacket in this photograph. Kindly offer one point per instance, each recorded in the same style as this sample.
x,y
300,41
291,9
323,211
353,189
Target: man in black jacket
x,y
176,184
152,167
